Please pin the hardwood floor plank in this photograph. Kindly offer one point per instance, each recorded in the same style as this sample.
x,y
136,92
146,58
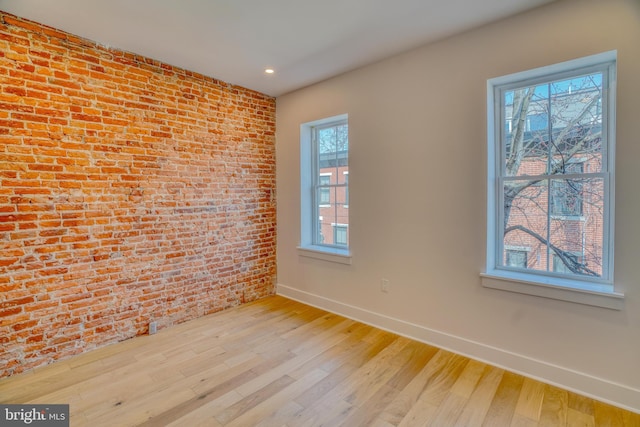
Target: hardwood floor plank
x,y
606,415
361,384
335,376
419,355
521,421
137,411
365,413
469,379
321,343
382,386
579,419
530,401
398,409
580,404
554,407
249,402
276,362
433,386
281,416
380,423
448,411
219,388
419,415
333,357
266,408
367,380
630,419
443,377
478,404
202,415
220,375
503,405
378,407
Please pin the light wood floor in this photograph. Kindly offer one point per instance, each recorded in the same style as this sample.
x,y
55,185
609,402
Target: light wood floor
x,y
276,362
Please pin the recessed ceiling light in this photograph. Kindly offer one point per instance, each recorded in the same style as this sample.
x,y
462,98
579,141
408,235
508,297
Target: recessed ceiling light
x,y
269,70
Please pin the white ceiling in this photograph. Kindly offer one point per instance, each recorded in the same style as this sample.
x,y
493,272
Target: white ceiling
x,y
305,41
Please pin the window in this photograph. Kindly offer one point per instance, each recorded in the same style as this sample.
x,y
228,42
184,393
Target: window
x,y
324,150
551,161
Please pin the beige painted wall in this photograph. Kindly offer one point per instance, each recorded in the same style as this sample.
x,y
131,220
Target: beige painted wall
x,y
418,202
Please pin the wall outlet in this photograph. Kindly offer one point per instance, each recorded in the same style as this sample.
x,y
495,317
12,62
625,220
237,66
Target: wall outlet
x,y
153,328
384,285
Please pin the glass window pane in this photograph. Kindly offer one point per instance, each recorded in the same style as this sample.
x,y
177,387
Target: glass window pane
x,y
526,145
566,197
525,220
577,241
324,197
576,120
515,258
327,140
340,235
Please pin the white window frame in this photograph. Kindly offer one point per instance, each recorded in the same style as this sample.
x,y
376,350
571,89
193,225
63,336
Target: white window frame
x,y
599,292
308,219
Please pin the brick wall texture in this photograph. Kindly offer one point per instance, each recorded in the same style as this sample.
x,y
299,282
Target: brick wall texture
x,y
131,191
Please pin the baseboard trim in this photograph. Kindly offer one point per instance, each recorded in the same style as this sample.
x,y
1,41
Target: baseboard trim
x,y
587,385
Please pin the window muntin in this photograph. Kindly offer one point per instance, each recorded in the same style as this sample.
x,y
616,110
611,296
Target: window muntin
x,y
553,175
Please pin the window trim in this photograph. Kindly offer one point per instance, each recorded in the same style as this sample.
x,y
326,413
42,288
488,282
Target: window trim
x,y
601,292
307,248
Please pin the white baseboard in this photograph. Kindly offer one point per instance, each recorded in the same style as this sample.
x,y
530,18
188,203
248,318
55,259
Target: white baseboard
x,y
579,382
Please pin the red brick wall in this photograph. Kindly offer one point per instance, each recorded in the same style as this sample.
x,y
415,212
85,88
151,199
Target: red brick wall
x,y
131,191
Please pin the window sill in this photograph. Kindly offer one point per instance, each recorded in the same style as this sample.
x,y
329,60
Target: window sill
x,y
550,287
341,256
